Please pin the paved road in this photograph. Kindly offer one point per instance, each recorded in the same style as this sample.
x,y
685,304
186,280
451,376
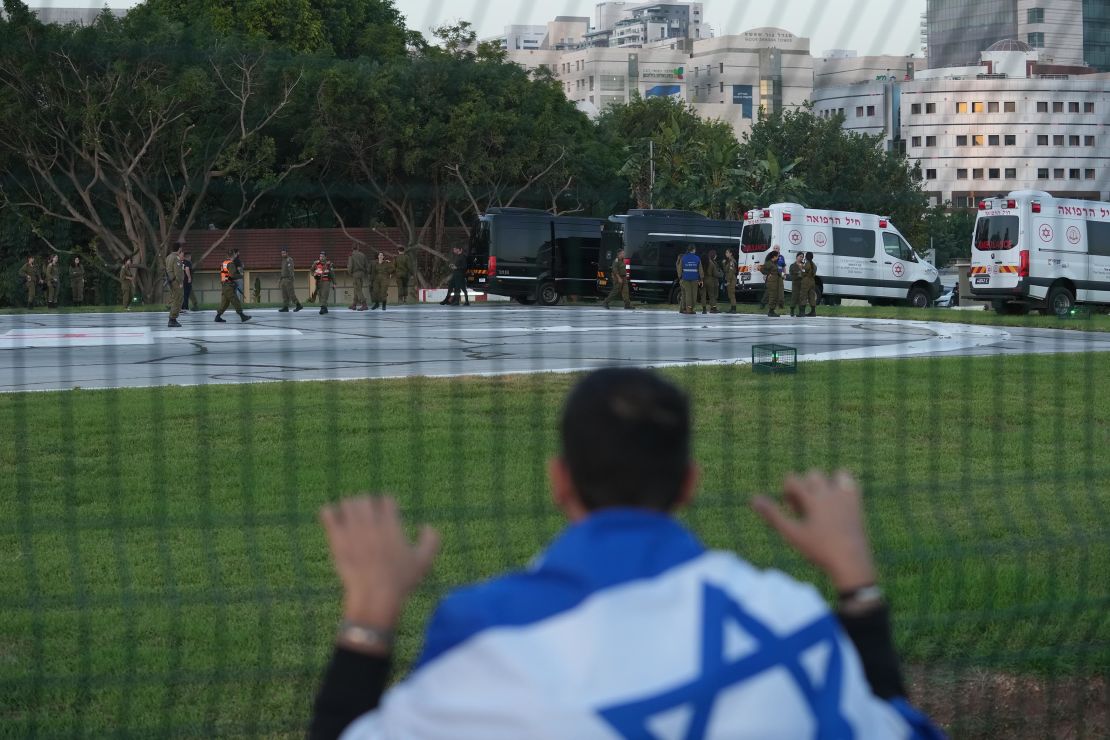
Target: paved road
x,y
59,351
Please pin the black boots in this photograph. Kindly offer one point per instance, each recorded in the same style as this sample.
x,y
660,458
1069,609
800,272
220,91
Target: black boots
x,y
243,317
173,324
323,310
383,305
298,308
220,319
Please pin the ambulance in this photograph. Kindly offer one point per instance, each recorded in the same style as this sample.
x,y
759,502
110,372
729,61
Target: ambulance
x,y
1030,249
858,255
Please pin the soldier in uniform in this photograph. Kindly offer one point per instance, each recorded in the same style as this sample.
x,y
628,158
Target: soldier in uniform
x,y
796,298
710,284
357,266
77,281
380,273
457,285
403,269
175,277
288,293
692,276
324,274
29,273
730,280
53,281
619,279
678,276
809,286
127,283
229,287
773,276
188,299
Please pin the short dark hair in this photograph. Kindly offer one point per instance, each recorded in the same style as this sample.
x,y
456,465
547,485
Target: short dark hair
x,y
809,256
626,439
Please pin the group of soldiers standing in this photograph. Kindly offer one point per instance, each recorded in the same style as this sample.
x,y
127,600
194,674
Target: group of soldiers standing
x,y
803,278
49,280
379,272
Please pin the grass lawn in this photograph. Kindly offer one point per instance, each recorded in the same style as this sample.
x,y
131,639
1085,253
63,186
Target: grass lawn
x,y
162,571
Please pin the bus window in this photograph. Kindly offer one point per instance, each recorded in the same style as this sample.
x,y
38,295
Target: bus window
x,y
996,232
755,238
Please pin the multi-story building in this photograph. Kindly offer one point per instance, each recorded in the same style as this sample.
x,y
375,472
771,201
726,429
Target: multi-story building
x,y
51,13
651,22
865,91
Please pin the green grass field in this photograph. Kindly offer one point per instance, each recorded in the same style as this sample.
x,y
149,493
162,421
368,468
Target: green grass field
x,y
162,572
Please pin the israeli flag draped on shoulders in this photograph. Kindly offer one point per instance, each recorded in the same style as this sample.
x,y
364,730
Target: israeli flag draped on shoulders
x,y
628,628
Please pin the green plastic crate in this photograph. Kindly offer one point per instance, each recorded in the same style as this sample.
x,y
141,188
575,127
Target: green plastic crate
x,y
774,358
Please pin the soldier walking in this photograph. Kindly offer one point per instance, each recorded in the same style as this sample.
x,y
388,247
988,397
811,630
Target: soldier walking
x,y
53,281
229,287
77,281
457,284
29,273
773,276
809,286
796,284
127,283
175,277
619,278
730,280
324,274
710,284
692,276
403,269
288,293
380,272
357,266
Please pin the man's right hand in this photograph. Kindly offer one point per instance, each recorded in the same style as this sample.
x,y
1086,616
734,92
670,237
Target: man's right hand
x,y
828,530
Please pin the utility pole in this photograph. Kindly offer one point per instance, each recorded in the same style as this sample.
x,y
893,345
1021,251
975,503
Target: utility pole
x,y
651,169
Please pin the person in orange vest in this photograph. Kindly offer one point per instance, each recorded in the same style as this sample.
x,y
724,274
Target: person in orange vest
x,y
229,284
324,274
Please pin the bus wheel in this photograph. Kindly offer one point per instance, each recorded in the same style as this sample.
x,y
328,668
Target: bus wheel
x,y
919,297
546,294
524,300
1060,300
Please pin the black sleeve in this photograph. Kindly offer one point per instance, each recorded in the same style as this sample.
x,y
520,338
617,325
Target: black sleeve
x,y
353,685
871,634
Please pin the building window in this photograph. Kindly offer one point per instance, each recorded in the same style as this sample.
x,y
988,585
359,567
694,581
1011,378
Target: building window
x,y
1011,173
962,201
977,140
1088,107
977,173
1042,139
1073,174
930,141
1010,140
1073,141
722,87
976,107
930,174
992,107
1034,15
591,82
961,107
1089,174
1088,141
961,140
870,110
1009,107
1058,173
1058,140
722,67
930,107
859,111
1058,106
1042,173
915,109
992,140
1042,106
993,173
840,111
915,141
1073,106
961,174
1035,39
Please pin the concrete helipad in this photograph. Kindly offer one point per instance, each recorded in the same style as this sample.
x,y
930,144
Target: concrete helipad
x,y
58,351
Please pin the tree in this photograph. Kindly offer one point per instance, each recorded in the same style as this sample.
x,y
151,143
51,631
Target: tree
x,y
949,231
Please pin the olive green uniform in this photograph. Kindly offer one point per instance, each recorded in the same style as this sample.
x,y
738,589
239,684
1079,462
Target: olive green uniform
x,y
77,283
796,298
356,266
323,272
403,270
127,285
619,280
288,293
711,274
229,296
730,283
53,279
681,290
770,270
690,288
175,276
809,287
30,275
380,273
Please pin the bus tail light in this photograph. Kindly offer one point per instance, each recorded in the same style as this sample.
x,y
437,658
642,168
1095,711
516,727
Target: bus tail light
x,y
786,215
1036,207
766,214
1023,263
1011,204
491,268
627,267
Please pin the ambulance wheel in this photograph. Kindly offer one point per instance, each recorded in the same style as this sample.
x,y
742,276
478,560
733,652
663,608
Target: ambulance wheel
x,y
1060,300
919,297
547,294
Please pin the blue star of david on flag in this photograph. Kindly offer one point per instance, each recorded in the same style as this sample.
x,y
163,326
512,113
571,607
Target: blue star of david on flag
x,y
717,673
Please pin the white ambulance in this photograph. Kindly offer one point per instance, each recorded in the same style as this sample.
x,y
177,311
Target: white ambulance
x,y
858,255
1030,249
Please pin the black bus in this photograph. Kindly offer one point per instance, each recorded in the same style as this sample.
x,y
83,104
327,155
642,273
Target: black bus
x,y
653,239
534,256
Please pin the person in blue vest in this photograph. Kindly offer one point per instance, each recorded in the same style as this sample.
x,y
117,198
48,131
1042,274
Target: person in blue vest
x,y
626,626
692,276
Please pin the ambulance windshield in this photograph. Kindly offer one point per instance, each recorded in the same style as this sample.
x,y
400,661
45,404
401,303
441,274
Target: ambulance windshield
x,y
755,238
996,233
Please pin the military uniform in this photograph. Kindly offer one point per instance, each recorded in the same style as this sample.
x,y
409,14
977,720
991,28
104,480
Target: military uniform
x,y
288,293
619,279
809,288
175,276
30,275
770,270
53,280
229,290
709,286
458,282
356,266
380,273
127,285
730,283
795,287
692,274
77,283
681,292
324,274
403,269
